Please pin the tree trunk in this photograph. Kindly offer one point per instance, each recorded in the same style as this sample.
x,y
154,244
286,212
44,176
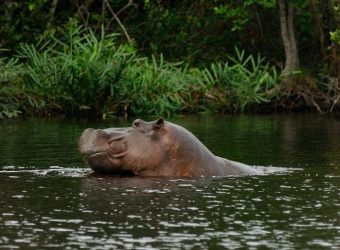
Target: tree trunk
x,y
52,12
288,37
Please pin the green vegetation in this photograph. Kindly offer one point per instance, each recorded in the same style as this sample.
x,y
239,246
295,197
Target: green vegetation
x,y
152,57
241,82
75,73
9,93
81,74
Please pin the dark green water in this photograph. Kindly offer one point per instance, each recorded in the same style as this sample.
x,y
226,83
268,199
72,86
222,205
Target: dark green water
x,y
47,199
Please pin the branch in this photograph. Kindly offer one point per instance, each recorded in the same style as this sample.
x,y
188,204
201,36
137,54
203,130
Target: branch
x,y
119,22
130,3
84,7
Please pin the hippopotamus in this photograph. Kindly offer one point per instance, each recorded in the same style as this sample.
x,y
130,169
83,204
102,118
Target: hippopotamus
x,y
156,148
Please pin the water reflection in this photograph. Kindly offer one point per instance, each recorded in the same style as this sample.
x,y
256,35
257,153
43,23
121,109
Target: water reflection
x,y
54,202
293,210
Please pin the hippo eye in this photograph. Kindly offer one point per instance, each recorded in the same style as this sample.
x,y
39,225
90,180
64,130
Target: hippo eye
x,y
136,124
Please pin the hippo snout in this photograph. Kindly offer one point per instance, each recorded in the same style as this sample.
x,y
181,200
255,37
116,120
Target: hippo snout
x,y
98,140
93,141
103,149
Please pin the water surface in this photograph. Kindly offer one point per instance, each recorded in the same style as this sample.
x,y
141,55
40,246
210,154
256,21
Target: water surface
x,y
49,199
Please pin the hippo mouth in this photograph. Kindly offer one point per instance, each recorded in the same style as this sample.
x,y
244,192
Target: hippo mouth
x,y
106,161
116,148
104,156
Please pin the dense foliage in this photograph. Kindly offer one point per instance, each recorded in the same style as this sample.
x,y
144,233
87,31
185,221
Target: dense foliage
x,y
161,57
80,73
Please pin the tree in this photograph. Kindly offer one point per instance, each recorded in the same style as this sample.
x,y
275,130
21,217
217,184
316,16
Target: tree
x,y
288,36
240,16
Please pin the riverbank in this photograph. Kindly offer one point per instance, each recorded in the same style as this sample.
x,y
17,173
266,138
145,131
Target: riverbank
x,y
75,73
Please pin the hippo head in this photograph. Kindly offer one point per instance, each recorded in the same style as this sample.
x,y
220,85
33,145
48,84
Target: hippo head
x,y
141,148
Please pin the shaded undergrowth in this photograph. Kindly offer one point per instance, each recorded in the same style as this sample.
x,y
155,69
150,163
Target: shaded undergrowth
x,y
77,73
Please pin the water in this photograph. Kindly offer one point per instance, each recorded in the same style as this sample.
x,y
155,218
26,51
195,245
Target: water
x,y
49,199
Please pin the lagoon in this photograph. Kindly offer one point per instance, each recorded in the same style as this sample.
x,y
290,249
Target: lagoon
x,y
50,200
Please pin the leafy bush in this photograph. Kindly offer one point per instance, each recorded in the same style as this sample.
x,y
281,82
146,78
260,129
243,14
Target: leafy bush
x,y
9,94
75,72
156,87
240,82
79,72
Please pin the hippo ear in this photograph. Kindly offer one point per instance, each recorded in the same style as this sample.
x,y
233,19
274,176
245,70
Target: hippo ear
x,y
158,124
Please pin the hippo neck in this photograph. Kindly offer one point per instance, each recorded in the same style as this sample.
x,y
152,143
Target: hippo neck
x,y
187,150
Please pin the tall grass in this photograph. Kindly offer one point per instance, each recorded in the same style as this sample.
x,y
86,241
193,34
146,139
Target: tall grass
x,y
77,72
240,82
9,93
81,73
156,87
